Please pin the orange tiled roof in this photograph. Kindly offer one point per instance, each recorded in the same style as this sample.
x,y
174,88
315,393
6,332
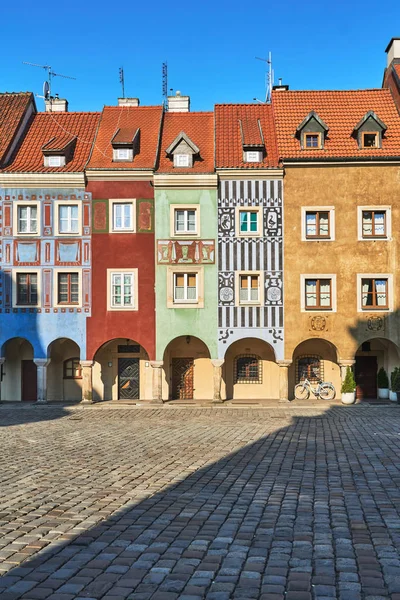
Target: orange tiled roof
x,y
62,126
229,145
251,132
124,136
127,118
59,142
12,110
199,127
341,111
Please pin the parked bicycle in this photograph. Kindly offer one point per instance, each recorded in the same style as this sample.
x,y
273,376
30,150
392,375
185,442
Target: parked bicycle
x,y
324,390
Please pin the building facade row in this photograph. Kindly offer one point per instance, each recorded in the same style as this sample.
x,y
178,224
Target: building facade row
x,y
153,253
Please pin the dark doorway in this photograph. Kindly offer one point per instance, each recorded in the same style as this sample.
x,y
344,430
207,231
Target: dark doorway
x,y
366,373
128,379
29,381
182,378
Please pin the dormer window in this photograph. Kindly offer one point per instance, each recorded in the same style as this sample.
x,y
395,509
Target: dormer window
x,y
125,143
253,156
312,132
183,151
252,140
369,131
59,150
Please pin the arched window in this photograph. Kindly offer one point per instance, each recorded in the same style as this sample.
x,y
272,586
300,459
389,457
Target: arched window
x,y
310,366
248,369
72,369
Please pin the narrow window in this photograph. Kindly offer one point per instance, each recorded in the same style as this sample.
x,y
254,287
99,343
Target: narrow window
x,y
122,291
185,287
123,216
249,289
68,221
317,224
318,294
370,139
373,223
312,141
248,221
248,369
185,221
27,218
27,289
72,369
374,293
68,288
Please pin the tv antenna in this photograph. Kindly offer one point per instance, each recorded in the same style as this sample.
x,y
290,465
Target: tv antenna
x,y
165,84
50,75
269,77
122,80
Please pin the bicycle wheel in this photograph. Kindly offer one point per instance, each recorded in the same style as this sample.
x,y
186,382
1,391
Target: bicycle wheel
x,y
301,392
327,391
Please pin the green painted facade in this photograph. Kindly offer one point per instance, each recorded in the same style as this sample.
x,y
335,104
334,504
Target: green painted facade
x,y
199,322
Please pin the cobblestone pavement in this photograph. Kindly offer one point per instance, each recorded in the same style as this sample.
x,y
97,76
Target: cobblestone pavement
x,y
286,503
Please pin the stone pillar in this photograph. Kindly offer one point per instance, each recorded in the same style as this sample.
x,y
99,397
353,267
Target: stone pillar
x,y
217,378
284,380
42,364
87,389
157,366
343,364
2,361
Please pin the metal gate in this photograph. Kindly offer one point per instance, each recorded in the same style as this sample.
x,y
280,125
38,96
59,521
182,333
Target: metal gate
x,y
182,378
128,379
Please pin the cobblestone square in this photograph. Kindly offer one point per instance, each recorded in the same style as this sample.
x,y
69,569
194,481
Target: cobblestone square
x,y
169,503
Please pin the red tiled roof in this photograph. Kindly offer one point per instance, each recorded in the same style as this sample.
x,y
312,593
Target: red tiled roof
x,y
199,127
251,133
341,111
127,118
12,110
229,145
47,126
124,135
397,68
59,142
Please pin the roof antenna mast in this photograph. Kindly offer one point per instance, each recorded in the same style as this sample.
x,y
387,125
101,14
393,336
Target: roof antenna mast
x,y
165,84
269,76
122,80
50,75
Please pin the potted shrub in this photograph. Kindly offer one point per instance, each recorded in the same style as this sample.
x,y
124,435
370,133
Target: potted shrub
x,y
383,384
349,388
394,376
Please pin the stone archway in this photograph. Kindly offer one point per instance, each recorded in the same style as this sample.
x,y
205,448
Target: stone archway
x,y
371,355
64,372
317,359
188,370
19,372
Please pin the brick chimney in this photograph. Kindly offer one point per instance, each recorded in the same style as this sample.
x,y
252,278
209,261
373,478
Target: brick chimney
x,y
393,51
178,103
56,104
128,101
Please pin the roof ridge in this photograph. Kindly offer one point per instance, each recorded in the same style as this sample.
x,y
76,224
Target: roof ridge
x,y
330,91
73,112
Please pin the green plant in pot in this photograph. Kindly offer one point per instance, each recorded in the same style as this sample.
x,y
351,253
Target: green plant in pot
x,y
383,384
396,385
394,377
349,388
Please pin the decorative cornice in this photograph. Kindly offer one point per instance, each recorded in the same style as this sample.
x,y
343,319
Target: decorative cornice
x,y
118,175
42,180
203,181
248,174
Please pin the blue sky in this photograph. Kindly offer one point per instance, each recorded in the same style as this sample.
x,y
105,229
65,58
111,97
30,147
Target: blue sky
x,y
210,47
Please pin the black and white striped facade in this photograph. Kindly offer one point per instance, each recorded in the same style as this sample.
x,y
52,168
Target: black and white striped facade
x,y
264,253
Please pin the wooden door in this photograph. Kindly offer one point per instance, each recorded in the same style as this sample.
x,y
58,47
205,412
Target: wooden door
x,y
29,381
366,372
182,378
128,379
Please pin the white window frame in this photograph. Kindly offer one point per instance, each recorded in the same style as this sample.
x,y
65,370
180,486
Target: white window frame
x,y
56,214
384,208
260,301
332,277
55,287
175,270
255,209
135,296
36,272
16,219
332,231
178,157
56,159
253,156
390,292
184,207
113,203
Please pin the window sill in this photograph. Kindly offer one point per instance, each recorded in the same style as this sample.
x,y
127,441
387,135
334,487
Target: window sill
x,y
122,308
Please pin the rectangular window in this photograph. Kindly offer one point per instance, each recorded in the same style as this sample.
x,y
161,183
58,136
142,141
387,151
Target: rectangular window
x,y
374,223
374,294
182,160
312,140
27,289
249,291
248,221
55,161
318,294
185,287
185,221
317,224
253,156
123,154
123,216
68,288
122,290
369,139
68,221
27,218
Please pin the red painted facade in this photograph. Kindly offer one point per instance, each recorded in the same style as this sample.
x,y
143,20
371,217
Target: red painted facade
x,y
123,251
